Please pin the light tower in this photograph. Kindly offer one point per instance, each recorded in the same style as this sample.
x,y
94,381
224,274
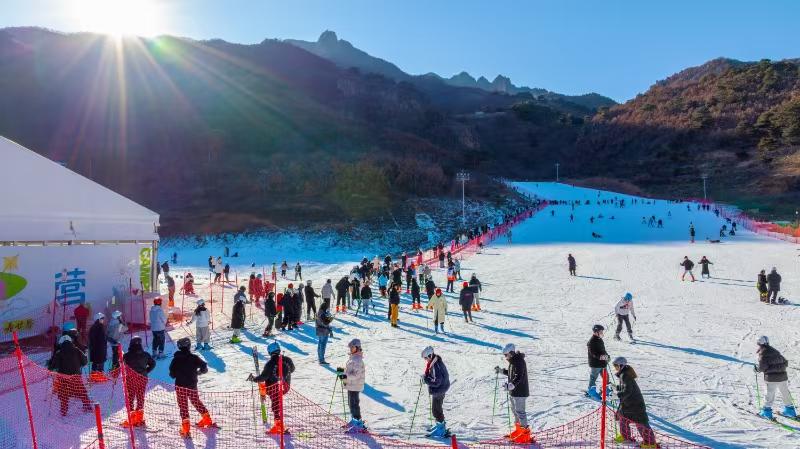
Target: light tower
x,y
704,177
557,164
463,177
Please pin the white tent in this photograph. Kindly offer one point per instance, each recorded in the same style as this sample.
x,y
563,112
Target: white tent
x,y
43,201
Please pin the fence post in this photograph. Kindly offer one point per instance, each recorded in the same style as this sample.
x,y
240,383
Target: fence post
x,y
280,395
144,318
18,353
122,372
603,411
99,420
453,442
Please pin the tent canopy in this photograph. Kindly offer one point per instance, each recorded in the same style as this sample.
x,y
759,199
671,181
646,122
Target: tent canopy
x,y
44,201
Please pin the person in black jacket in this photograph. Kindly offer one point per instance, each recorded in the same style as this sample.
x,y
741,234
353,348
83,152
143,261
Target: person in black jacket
x,y
761,286
704,263
98,347
311,300
687,268
68,361
631,405
465,299
430,288
238,315
394,303
270,310
598,359
271,375
774,281
366,298
184,368
477,287
341,294
416,300
518,391
572,265
139,363
773,365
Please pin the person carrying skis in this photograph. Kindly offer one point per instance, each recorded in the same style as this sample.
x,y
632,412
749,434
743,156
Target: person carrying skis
x,y
623,309
353,377
465,299
774,283
476,290
341,294
202,318
98,348
116,328
394,303
572,265
141,363
687,268
438,303
323,331
598,359
761,285
704,263
517,388
271,375
773,365
438,381
184,368
416,301
366,298
632,408
158,325
270,310
68,361
238,316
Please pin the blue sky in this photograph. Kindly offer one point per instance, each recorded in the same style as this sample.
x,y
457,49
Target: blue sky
x,y
616,48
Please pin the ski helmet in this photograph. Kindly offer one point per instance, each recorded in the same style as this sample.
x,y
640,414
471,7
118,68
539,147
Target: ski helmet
x,y
628,297
466,284
509,348
598,328
763,340
157,301
184,343
200,302
620,361
99,316
354,343
64,338
274,348
68,326
116,314
427,352
291,286
242,288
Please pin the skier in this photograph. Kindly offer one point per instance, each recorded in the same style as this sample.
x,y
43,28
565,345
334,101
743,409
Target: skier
x,y
68,360
439,305
271,375
311,300
572,264
341,294
761,285
284,267
353,376
415,295
691,232
323,331
383,281
394,303
624,308
366,298
270,310
98,348
451,277
457,267
142,363
158,325
116,328
327,293
517,388
218,268
188,284
632,408
441,259
773,365
438,382
704,262
291,308
476,289
238,316
184,368
202,318
226,270
465,299
598,359
298,271
774,283
170,290
687,268
411,273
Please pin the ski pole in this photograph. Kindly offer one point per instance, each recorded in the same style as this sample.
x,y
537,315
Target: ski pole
x,y
344,410
430,411
414,416
333,393
508,408
758,391
494,403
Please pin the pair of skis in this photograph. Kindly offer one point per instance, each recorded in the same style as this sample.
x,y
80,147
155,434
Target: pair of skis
x,y
262,389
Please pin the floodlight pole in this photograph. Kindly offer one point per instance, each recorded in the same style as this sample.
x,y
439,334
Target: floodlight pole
x,y
704,176
557,164
463,177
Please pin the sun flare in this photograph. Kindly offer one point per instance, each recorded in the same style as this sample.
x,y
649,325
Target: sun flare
x,y
119,17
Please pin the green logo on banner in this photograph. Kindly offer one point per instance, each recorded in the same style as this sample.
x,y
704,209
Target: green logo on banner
x,y
144,268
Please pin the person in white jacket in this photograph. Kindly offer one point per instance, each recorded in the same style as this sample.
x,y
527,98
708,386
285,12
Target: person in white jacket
x,y
327,293
353,376
623,309
202,319
158,325
438,303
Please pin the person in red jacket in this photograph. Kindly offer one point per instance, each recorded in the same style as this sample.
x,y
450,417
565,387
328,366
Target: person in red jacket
x,y
81,317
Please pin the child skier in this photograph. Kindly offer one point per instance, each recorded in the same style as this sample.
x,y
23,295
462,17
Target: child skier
x,y
366,298
68,360
352,377
271,375
598,359
773,365
184,368
465,299
476,289
632,409
416,302
140,362
439,305
394,304
517,387
323,331
438,382
761,285
270,310
238,316
451,278
202,318
623,309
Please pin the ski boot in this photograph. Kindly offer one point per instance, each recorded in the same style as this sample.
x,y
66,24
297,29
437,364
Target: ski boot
x,y
136,419
789,412
630,335
186,429
206,347
593,394
524,436
616,337
205,421
513,433
350,423
98,377
198,347
357,427
766,413
277,428
621,439
235,339
439,430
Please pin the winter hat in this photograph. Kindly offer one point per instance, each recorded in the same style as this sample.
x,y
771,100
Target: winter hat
x,y
184,343
64,338
620,361
258,276
509,348
200,302
598,328
628,297
465,285
438,291
136,343
116,314
99,316
291,286
763,340
157,301
242,288
427,352
354,343
273,347
68,326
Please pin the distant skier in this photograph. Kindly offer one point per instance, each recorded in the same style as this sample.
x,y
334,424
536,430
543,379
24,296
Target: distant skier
x,y
774,286
353,377
773,365
238,315
271,375
170,290
451,278
687,268
114,332
598,359
184,368
704,263
691,232
298,272
632,409
366,298
572,265
270,311
466,299
202,318
477,287
438,303
416,302
624,309
761,285
142,363
323,331
226,270
341,294
327,293
383,282
284,268
438,381
518,392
